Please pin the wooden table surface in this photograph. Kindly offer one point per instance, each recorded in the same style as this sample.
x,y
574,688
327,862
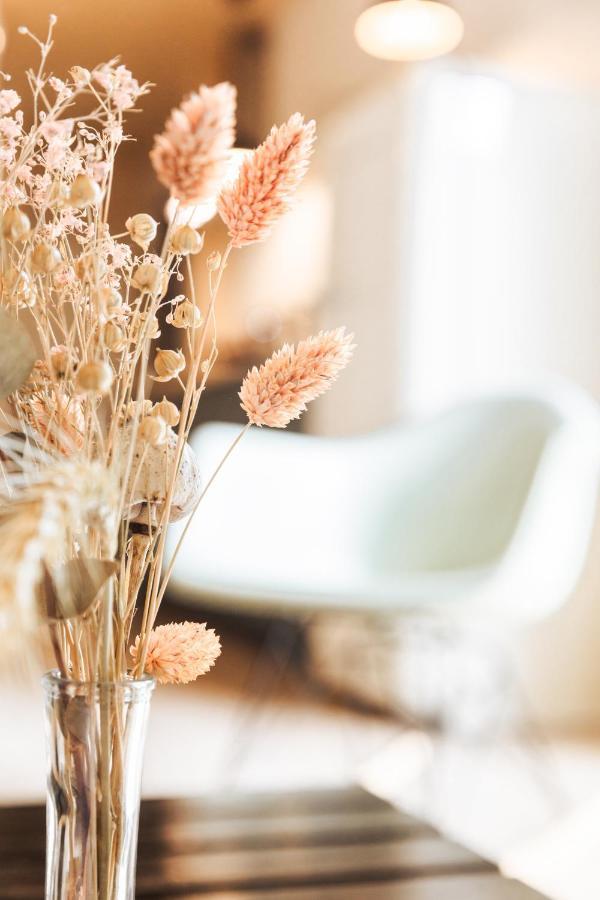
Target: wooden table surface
x,y
339,845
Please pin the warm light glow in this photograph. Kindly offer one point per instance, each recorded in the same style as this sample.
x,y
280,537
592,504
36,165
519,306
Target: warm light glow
x,y
408,30
198,214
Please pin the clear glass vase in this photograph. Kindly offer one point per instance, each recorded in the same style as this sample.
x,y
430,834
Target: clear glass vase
x,y
95,737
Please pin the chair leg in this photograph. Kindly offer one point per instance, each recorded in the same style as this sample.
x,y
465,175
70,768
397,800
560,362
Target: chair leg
x,y
279,644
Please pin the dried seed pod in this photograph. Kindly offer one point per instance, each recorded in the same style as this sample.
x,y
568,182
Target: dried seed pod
x,y
110,301
154,430
213,261
147,278
185,240
16,288
15,224
167,411
84,192
45,258
151,472
60,361
90,267
185,315
94,377
59,193
143,407
142,331
114,337
168,364
142,229
80,76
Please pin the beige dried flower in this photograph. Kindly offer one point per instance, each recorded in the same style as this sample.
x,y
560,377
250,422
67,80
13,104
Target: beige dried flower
x,y
45,259
213,261
186,241
56,416
179,652
185,315
39,523
15,224
168,364
267,179
84,192
190,156
147,278
154,430
114,337
167,411
94,377
279,391
142,229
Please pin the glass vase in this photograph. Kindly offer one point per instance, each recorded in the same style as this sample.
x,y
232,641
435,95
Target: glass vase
x,y
95,739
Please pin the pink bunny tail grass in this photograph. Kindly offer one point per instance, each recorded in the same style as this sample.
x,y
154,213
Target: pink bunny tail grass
x,y
279,390
267,179
179,652
190,157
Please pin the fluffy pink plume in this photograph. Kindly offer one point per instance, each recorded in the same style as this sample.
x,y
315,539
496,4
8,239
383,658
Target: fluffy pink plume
x,y
190,157
267,179
279,390
179,652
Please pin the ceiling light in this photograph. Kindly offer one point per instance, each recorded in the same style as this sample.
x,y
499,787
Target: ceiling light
x,y
408,29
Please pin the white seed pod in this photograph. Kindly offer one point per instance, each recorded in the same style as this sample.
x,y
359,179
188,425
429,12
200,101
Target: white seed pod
x,y
15,224
90,267
110,301
59,193
84,192
60,361
167,411
151,473
80,76
154,430
147,278
213,261
114,337
16,288
185,240
94,377
168,364
185,315
142,229
45,259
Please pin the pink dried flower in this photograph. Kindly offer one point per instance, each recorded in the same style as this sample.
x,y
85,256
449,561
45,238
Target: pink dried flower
x,y
279,391
179,652
120,84
8,101
190,156
267,179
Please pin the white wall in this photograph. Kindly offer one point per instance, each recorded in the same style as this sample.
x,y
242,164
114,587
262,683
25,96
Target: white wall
x,y
505,230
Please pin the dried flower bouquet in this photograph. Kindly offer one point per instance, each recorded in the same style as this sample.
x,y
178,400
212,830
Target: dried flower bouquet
x,y
93,471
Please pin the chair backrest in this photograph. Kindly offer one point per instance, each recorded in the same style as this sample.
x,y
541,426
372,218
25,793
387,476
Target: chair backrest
x,y
444,495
